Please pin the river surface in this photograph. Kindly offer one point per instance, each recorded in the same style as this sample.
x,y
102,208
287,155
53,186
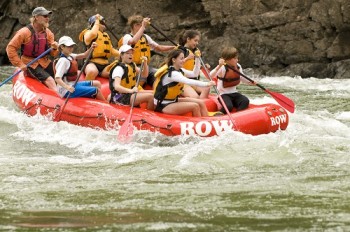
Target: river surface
x,y
57,176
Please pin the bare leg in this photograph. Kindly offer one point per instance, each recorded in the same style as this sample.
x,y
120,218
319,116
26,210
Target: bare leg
x,y
91,72
190,92
203,92
143,97
202,107
182,107
50,83
100,96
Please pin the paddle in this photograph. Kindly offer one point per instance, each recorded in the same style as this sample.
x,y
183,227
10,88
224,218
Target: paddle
x,y
127,129
30,63
284,101
111,32
163,34
217,92
58,116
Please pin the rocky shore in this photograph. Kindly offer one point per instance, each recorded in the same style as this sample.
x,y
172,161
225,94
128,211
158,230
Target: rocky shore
x,y
307,38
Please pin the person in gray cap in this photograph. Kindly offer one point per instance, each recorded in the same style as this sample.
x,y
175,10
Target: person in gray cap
x,y
33,40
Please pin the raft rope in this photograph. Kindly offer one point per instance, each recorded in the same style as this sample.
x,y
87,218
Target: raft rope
x,y
99,115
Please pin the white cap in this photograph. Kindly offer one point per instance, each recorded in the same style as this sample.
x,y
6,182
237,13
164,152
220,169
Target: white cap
x,y
125,48
66,40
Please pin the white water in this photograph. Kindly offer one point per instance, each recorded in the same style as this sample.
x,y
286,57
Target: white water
x,y
293,179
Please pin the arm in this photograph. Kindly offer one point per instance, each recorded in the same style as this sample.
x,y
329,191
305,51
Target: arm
x,y
218,71
86,53
117,74
164,48
62,67
195,71
122,89
157,47
21,37
91,34
178,77
144,73
140,32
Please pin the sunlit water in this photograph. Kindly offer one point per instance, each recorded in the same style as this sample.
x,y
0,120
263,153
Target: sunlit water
x,y
57,175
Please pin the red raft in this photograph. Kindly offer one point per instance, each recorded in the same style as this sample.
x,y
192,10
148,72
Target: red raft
x,y
32,97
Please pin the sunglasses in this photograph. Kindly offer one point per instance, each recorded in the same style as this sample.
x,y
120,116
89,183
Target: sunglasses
x,y
45,16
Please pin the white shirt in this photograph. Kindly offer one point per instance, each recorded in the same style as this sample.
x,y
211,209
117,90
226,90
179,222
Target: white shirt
x,y
62,67
118,72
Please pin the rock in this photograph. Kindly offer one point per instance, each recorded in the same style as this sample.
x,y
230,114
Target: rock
x,y
308,38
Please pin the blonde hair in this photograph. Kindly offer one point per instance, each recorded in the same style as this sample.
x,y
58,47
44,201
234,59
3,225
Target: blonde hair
x,y
134,19
229,53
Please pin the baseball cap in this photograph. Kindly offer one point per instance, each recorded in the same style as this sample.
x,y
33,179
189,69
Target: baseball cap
x,y
41,11
125,48
66,40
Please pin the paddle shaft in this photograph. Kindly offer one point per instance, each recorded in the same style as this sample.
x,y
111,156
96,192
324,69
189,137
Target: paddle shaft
x,y
137,84
111,32
75,83
170,40
30,63
217,92
125,130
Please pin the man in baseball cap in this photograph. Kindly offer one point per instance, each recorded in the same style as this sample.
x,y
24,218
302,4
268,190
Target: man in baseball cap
x,y
41,11
32,47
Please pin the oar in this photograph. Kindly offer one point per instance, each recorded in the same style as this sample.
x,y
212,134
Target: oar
x,y
284,101
111,32
170,40
58,116
127,129
30,63
217,92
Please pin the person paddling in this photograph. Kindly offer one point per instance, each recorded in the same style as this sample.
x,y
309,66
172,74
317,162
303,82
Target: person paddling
x,y
123,80
33,40
188,42
169,83
66,73
142,44
98,64
228,80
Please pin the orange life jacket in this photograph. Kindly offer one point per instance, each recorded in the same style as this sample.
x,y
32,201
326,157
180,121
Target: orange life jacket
x,y
231,78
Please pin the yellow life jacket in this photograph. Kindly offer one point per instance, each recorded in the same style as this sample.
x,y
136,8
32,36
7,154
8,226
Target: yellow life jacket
x,y
103,51
189,64
169,91
128,78
142,48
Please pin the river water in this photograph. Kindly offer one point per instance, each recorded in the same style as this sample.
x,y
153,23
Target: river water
x,y
61,176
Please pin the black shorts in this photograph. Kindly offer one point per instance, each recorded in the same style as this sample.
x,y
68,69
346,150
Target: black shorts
x,y
41,73
160,106
100,67
123,99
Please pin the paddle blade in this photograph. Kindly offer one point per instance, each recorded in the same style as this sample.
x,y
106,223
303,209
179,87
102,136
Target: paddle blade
x,y
126,131
284,101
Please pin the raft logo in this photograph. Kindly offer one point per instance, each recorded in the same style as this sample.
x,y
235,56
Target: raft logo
x,y
21,92
278,120
204,128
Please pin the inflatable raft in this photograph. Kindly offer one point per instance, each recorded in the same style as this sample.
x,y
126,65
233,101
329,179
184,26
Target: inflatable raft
x,y
32,97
